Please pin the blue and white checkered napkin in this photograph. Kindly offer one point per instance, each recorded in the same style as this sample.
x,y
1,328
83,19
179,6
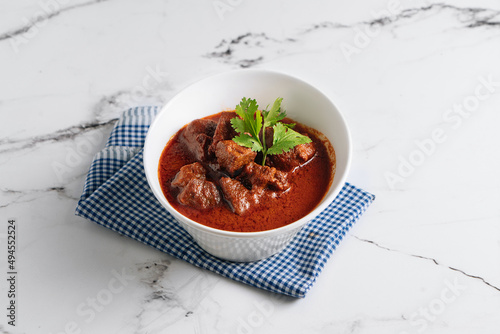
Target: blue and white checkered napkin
x,y
117,196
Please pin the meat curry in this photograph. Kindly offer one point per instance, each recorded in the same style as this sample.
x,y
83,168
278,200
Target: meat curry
x,y
208,177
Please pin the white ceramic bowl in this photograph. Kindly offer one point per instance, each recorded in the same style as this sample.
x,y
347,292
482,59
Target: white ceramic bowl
x,y
303,103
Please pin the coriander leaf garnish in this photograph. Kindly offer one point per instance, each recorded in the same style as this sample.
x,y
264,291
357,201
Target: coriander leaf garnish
x,y
246,140
252,118
274,115
251,121
249,125
284,139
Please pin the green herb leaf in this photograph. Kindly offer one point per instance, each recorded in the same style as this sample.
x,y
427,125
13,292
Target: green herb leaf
x,y
249,113
239,125
251,121
274,115
284,139
246,140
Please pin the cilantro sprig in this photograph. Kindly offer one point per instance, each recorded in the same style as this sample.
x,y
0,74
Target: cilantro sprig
x,y
251,128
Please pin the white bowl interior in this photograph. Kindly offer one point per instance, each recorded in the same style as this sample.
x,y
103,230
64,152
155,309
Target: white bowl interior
x,y
303,103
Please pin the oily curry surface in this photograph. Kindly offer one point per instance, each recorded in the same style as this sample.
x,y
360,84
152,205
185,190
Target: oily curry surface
x,y
297,189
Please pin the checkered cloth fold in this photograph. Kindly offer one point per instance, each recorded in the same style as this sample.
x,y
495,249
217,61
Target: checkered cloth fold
x,y
116,195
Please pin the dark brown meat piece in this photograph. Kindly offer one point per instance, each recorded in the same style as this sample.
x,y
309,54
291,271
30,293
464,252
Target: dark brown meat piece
x,y
232,157
199,194
240,198
187,173
264,177
197,136
293,158
224,130
269,136
196,191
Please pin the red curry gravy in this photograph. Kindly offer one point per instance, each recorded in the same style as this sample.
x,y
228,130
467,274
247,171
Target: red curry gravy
x,y
308,183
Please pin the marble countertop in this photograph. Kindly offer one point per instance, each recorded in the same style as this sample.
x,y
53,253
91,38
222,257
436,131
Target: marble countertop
x,y
418,83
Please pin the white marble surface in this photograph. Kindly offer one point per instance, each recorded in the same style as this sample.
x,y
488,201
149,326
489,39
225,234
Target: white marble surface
x,y
419,84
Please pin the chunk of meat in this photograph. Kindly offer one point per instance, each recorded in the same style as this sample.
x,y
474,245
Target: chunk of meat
x,y
187,173
206,126
265,177
297,156
269,136
224,130
240,198
232,157
199,194
197,136
196,191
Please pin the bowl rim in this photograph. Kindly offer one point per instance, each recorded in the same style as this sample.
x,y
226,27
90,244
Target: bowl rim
x,y
266,233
